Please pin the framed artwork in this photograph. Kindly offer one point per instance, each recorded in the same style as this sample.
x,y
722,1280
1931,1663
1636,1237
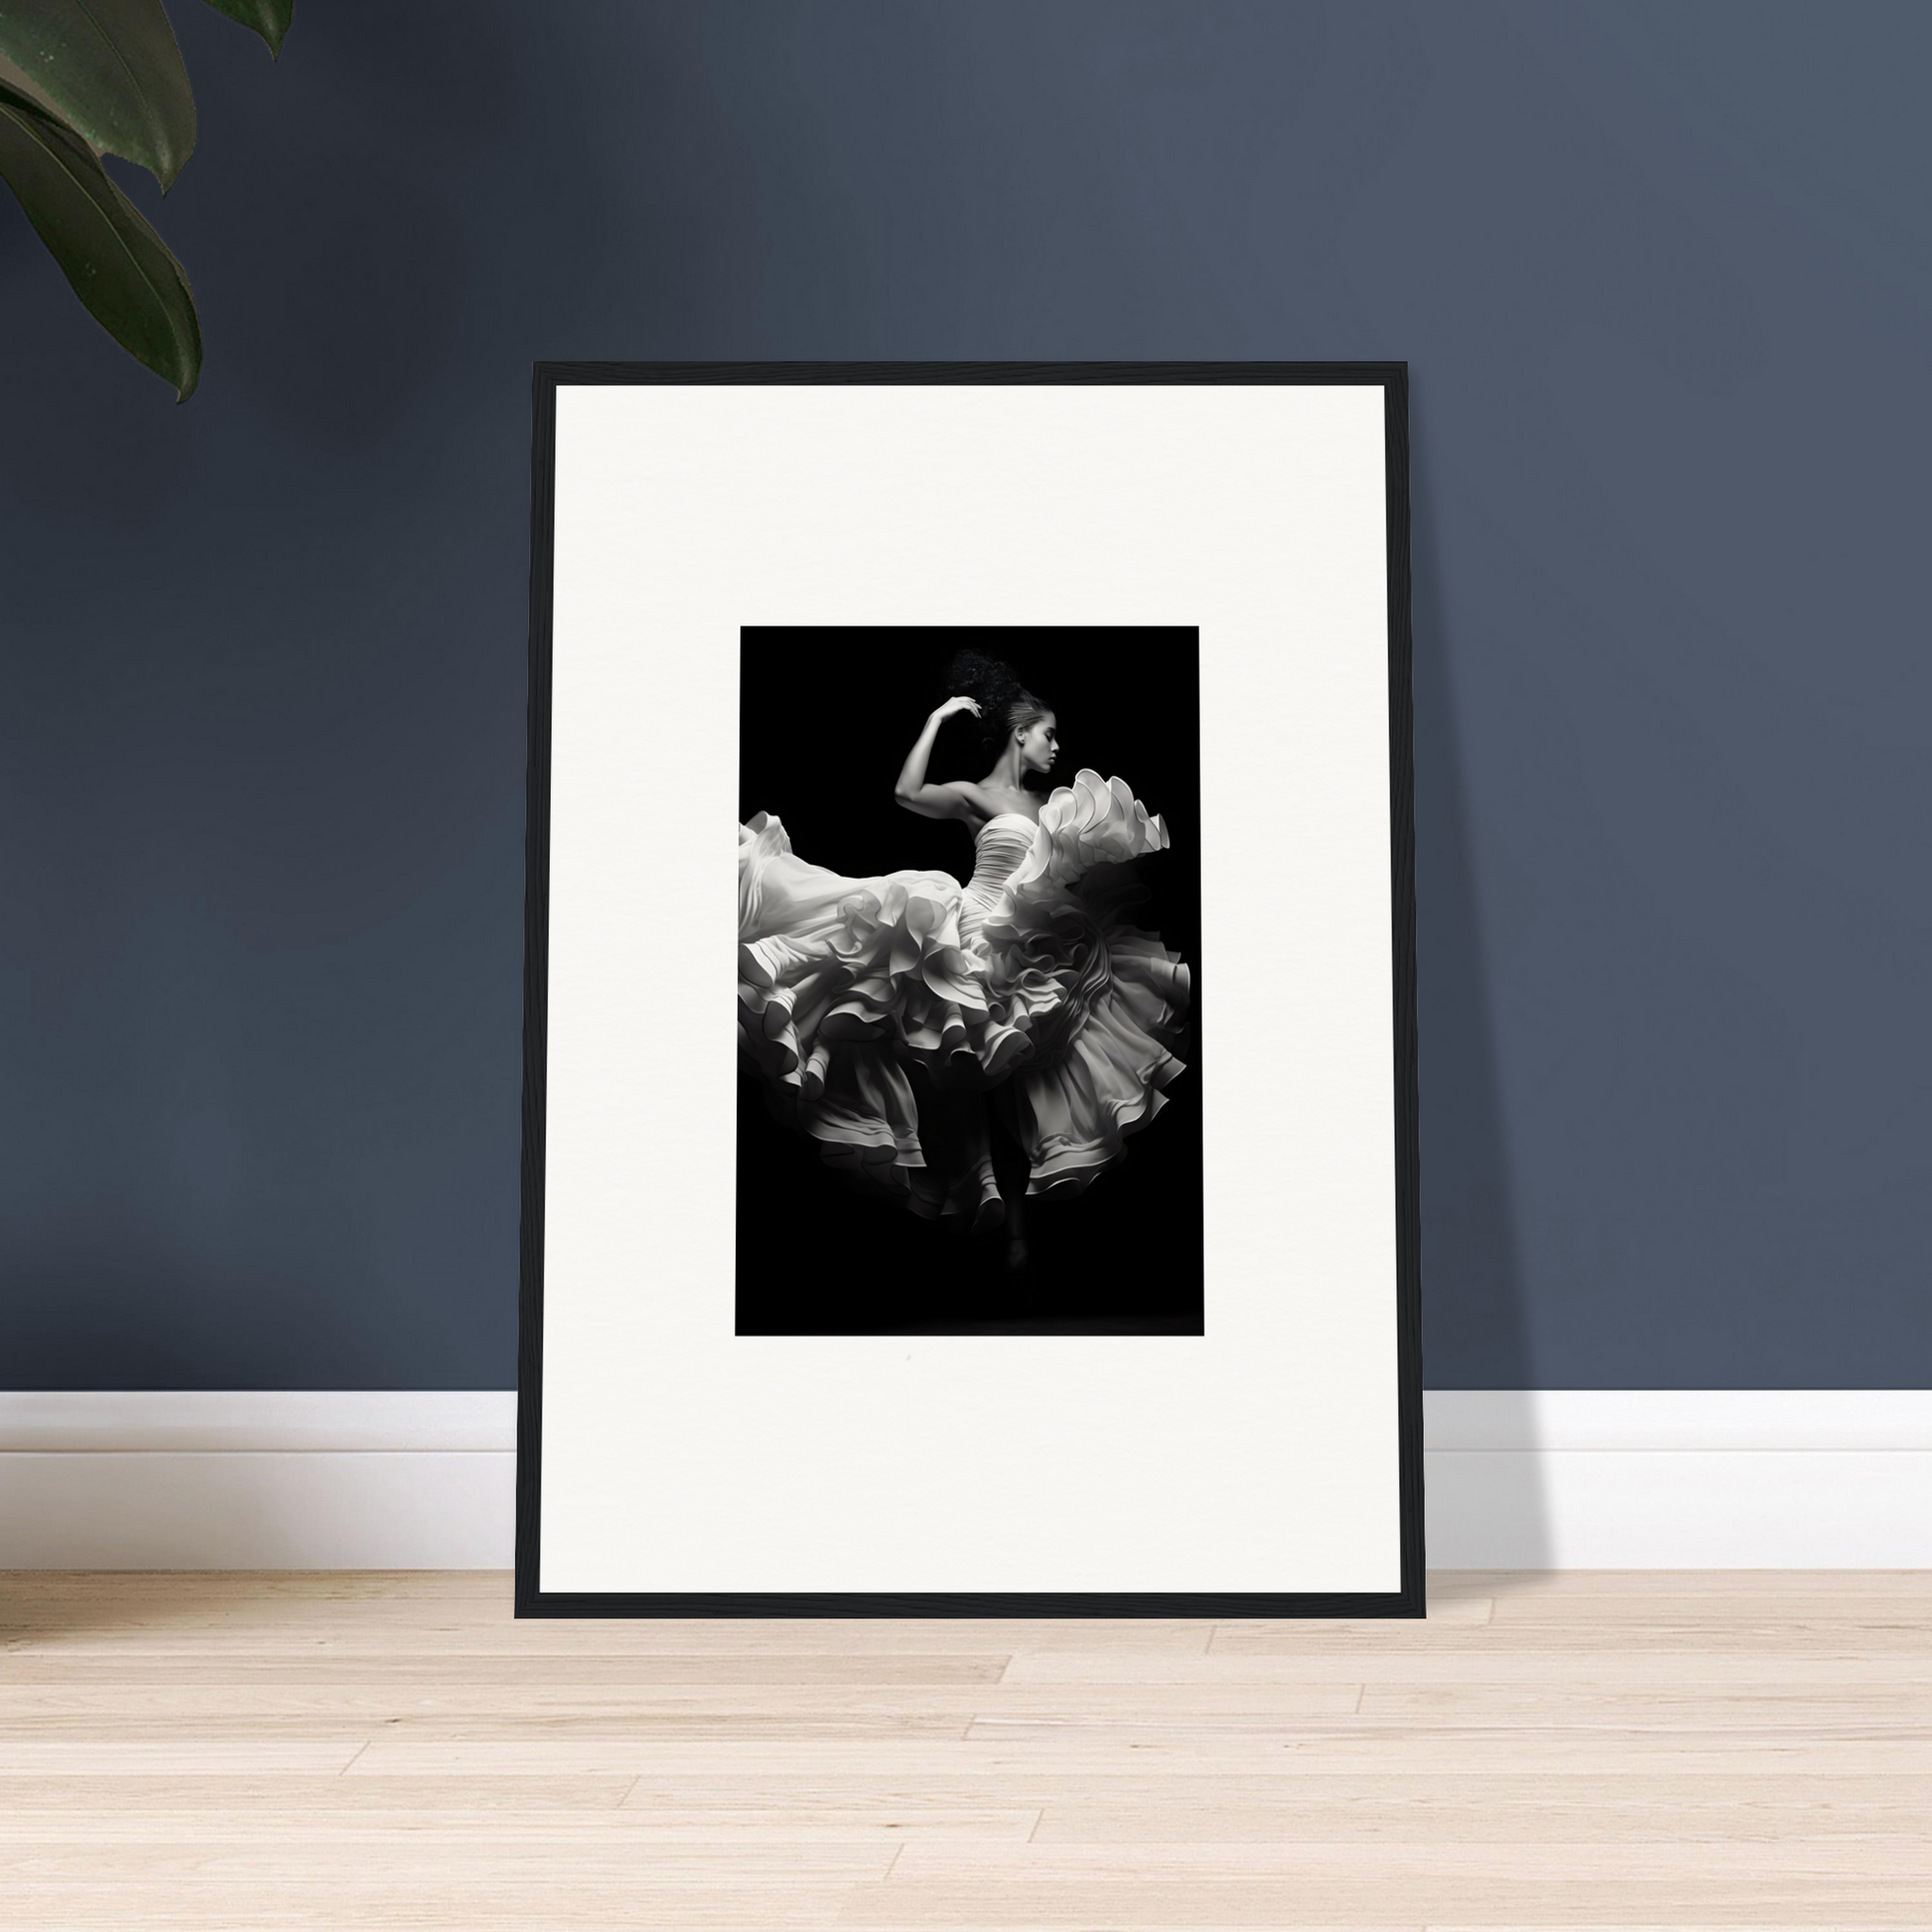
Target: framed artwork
x,y
1039,1234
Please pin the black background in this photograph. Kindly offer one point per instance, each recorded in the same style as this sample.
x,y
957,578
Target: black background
x,y
827,717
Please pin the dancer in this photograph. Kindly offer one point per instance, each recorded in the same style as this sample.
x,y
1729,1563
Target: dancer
x,y
1026,988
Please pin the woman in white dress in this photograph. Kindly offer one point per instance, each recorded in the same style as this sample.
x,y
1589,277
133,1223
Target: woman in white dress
x,y
1025,987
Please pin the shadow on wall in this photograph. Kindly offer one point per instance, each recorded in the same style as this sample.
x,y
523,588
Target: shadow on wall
x,y
1483,1509
1488,1514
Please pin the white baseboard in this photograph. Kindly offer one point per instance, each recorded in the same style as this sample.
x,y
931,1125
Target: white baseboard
x,y
258,1479
1562,1480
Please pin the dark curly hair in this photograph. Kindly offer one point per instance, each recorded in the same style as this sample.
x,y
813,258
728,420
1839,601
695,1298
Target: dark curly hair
x,y
1006,704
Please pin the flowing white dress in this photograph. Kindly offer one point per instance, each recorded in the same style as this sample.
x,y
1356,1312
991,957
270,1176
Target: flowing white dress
x,y
1027,977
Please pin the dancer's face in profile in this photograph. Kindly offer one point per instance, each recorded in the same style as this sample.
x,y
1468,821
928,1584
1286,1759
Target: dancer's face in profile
x,y
1040,744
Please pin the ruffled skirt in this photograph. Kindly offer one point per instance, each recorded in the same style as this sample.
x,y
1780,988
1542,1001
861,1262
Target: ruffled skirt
x,y
884,1014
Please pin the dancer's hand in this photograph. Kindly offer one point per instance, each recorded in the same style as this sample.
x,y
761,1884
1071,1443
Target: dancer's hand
x,y
962,703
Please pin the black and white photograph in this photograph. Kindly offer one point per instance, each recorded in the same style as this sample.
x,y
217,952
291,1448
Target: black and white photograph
x,y
1031,1225
969,972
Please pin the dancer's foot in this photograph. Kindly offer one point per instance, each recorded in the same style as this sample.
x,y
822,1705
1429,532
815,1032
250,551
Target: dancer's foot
x,y
1016,1255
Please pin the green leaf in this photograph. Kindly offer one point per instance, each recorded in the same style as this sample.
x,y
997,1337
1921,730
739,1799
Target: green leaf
x,y
118,266
112,70
269,18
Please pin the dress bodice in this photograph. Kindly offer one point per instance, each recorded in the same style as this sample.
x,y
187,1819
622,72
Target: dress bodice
x,y
998,848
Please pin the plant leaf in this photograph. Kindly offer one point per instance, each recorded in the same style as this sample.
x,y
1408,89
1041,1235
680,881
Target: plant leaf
x,y
269,18
118,266
112,70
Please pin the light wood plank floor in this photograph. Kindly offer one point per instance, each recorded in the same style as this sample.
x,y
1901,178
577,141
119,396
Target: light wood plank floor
x,y
1617,1749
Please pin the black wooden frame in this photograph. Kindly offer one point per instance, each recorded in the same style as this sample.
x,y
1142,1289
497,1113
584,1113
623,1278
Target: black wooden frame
x,y
1408,1600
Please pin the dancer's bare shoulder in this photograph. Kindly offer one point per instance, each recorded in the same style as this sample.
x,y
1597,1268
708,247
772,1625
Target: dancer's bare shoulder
x,y
995,801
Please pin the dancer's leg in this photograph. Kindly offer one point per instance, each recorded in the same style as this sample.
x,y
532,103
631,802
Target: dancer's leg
x,y
954,1137
1014,1170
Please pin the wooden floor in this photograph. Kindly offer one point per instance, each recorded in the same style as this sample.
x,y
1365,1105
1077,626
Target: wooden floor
x,y
1608,1750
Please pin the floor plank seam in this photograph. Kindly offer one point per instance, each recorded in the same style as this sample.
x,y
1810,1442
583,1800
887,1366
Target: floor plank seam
x,y
1637,1753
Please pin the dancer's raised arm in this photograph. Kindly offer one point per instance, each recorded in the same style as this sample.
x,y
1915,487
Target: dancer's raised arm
x,y
961,798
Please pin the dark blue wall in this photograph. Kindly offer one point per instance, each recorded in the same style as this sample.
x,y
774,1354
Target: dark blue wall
x,y
1661,276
